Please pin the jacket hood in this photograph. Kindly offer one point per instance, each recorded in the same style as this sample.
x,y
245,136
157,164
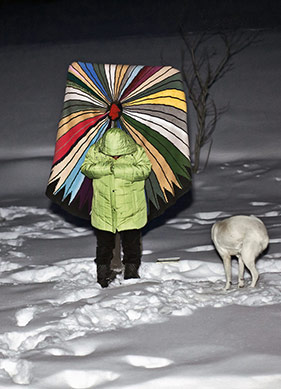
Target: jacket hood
x,y
117,142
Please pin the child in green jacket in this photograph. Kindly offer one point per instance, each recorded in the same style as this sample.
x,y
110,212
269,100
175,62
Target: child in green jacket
x,y
118,167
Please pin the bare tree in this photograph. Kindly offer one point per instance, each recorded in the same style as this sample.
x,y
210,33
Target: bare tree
x,y
206,58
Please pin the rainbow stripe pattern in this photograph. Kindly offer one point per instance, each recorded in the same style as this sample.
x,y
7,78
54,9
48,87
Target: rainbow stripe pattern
x,y
149,103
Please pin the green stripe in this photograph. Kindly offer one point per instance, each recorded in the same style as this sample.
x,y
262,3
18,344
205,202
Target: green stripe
x,y
100,71
178,162
153,190
78,84
76,106
172,82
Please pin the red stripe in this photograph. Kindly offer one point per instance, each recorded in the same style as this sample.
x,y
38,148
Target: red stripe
x,y
142,76
64,144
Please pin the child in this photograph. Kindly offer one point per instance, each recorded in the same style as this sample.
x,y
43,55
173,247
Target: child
x,y
118,167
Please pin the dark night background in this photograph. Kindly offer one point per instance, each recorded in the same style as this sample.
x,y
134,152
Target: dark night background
x,y
49,21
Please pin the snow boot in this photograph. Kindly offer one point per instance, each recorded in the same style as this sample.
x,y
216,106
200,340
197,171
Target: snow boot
x,y
131,271
104,275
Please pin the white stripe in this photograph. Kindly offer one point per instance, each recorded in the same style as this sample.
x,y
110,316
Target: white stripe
x,y
74,94
109,72
174,134
152,81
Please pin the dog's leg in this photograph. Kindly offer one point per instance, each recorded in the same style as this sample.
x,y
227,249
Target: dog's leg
x,y
249,254
253,271
241,269
227,268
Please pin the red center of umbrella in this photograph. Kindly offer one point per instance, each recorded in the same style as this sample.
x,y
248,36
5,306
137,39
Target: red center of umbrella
x,y
115,111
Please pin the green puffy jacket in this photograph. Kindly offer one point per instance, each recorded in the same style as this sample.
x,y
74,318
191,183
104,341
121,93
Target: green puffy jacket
x,y
118,184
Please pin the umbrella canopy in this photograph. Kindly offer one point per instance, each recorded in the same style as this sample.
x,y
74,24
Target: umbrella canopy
x,y
149,103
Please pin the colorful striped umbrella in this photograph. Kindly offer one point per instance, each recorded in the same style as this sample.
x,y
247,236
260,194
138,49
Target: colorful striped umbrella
x,y
149,103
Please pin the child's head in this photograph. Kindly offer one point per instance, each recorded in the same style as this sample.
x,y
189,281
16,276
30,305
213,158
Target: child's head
x,y
116,142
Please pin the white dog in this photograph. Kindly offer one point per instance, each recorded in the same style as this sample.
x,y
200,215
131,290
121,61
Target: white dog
x,y
244,237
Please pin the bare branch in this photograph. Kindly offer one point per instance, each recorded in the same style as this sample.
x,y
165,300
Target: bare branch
x,y
205,67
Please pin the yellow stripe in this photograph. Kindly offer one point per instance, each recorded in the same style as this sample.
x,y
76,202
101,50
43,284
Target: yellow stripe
x,y
120,72
172,97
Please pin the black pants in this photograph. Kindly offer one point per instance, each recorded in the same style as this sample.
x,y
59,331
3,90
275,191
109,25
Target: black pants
x,y
131,245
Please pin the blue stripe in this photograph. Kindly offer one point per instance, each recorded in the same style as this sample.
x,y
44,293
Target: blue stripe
x,y
90,71
134,73
75,179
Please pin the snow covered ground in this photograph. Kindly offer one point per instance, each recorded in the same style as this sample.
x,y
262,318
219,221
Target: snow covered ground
x,y
174,328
